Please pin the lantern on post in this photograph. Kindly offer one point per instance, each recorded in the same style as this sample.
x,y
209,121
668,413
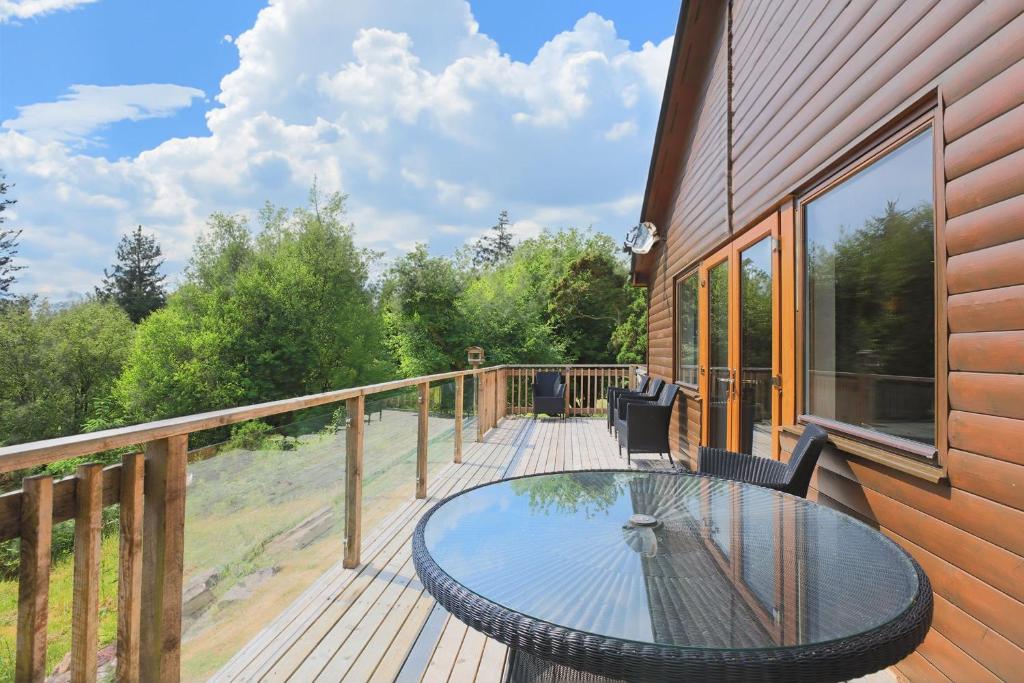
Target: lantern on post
x,y
475,356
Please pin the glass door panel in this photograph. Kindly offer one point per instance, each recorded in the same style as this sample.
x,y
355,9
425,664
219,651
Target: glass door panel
x,y
755,387
740,362
719,372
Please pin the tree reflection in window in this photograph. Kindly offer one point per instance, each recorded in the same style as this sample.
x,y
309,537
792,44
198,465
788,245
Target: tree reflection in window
x,y
687,330
870,295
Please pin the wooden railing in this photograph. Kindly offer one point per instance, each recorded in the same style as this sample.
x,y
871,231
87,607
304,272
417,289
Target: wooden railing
x,y
149,485
586,387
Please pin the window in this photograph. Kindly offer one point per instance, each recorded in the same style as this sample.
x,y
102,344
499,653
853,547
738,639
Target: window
x,y
870,280
686,330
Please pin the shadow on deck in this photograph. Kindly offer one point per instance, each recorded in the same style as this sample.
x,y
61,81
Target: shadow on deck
x,y
375,622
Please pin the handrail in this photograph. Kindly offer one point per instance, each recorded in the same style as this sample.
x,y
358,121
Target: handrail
x,y
150,488
35,453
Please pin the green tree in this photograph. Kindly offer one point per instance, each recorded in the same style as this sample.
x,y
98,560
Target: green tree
x,y
629,339
8,243
496,246
283,314
223,249
135,283
587,304
419,296
557,298
58,365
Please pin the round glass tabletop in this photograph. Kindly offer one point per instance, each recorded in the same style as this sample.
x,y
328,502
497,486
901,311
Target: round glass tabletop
x,y
667,559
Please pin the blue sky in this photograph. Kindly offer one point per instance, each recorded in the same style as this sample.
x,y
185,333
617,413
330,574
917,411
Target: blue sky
x,y
430,123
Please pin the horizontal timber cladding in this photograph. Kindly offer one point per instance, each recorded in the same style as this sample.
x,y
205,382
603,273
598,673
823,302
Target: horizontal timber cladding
x,y
859,78
695,217
684,429
806,87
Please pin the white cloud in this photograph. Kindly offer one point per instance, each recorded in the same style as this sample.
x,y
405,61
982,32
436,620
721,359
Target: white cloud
x,y
27,9
88,108
620,130
418,116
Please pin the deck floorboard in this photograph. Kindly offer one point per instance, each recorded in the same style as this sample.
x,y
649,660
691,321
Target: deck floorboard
x,y
375,622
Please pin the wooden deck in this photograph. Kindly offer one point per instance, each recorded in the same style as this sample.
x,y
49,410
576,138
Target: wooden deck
x,y
375,622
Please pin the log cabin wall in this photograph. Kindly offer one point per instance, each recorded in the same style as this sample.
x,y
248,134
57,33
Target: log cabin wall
x,y
698,214
803,86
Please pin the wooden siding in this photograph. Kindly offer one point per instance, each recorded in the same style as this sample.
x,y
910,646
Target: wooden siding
x,y
684,429
811,85
696,218
869,62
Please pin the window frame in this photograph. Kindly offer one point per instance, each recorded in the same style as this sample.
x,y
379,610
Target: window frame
x,y
869,154
677,281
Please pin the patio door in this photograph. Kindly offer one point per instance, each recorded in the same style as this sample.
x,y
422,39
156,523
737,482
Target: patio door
x,y
740,359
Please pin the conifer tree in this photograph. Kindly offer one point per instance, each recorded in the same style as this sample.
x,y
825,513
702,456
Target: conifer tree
x,y
8,245
494,248
135,283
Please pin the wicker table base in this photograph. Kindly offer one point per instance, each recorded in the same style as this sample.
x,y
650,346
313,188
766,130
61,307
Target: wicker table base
x,y
525,668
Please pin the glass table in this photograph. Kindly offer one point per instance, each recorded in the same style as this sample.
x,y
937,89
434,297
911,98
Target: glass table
x,y
645,576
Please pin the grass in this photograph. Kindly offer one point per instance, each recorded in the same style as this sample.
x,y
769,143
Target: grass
x,y
58,641
236,524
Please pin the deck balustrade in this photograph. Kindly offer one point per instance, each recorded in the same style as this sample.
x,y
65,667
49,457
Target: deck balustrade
x,y
149,485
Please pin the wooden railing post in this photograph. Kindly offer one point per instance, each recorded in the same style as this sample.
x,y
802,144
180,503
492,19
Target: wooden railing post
x,y
479,403
460,388
422,441
503,393
129,578
162,559
568,387
85,600
356,408
34,578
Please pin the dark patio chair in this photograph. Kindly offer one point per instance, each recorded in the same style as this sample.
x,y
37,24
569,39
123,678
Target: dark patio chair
x,y
790,477
651,393
615,392
548,394
642,425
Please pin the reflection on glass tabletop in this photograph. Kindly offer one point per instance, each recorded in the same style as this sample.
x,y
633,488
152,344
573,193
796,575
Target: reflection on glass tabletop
x,y
676,560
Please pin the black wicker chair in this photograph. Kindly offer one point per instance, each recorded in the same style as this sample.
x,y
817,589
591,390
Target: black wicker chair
x,y
642,425
615,392
651,393
548,394
793,477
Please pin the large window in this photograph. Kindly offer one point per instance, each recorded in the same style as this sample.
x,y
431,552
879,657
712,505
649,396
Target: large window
x,y
686,330
870,296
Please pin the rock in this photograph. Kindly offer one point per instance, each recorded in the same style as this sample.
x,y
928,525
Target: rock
x,y
62,672
198,593
305,532
244,589
106,664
